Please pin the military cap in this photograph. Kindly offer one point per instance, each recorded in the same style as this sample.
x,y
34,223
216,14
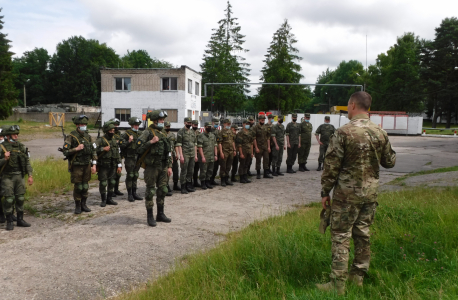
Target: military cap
x,y
134,121
245,121
187,119
167,124
325,219
250,118
108,126
270,116
195,122
226,121
81,119
307,115
216,120
115,121
234,126
294,115
280,117
327,118
208,124
260,117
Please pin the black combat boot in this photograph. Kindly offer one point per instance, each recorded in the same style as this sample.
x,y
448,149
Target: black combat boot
x,y
233,179
212,181
223,181
130,197
249,173
266,174
84,206
9,222
208,184
246,179
227,181
117,192
289,169
274,173
161,217
203,185
77,207
2,215
301,168
319,167
150,217
175,186
20,220
110,200
183,189
305,167
169,191
279,173
258,176
104,200
189,187
134,194
196,182
242,179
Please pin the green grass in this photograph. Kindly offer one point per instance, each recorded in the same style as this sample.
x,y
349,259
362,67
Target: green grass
x,y
414,256
32,128
399,180
440,128
49,175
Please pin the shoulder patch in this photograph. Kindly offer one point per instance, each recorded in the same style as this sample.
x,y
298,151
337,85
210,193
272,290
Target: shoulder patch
x,y
66,146
139,142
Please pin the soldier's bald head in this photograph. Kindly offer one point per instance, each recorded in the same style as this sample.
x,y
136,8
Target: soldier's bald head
x,y
362,100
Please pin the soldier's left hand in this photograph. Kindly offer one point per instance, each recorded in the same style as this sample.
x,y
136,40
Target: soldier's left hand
x,y
216,157
196,158
94,169
252,155
277,148
299,146
119,170
235,153
169,172
284,147
203,159
30,180
326,201
268,149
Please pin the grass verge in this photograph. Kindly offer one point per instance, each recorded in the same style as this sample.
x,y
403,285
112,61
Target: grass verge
x,y
400,180
414,256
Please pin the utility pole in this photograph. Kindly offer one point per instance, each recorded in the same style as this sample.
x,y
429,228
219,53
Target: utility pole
x,y
24,97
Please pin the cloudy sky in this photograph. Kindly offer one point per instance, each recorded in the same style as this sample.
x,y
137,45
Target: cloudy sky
x,y
328,31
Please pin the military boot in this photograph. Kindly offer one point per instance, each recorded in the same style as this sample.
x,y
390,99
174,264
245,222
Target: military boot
x,y
196,182
104,200
84,206
246,179
130,197
110,200
169,191
183,189
233,179
290,169
134,194
161,217
279,173
356,279
189,187
175,186
117,192
2,215
249,173
9,222
77,207
266,174
338,286
319,167
203,185
305,167
227,181
242,179
258,175
301,168
150,217
274,173
212,181
20,220
14,217
207,183
223,181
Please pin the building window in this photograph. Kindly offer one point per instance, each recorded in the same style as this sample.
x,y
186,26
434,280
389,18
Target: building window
x,y
190,86
189,113
123,114
172,115
197,89
170,84
123,84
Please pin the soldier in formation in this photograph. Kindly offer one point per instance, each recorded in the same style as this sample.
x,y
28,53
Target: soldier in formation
x,y
351,170
278,145
323,134
244,141
208,155
226,146
187,151
176,175
2,215
306,143
293,142
262,147
215,130
195,128
270,123
235,161
117,137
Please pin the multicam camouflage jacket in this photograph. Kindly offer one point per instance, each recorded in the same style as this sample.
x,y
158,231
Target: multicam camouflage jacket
x,y
354,155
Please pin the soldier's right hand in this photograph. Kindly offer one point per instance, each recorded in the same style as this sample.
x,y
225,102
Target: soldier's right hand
x,y
242,156
80,147
106,149
154,140
320,143
289,146
131,138
257,150
277,148
222,155
7,155
203,159
182,160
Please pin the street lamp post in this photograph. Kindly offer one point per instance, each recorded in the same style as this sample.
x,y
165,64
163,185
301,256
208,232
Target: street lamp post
x,y
25,97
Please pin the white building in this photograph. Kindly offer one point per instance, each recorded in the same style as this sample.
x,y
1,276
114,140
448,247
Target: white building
x,y
133,92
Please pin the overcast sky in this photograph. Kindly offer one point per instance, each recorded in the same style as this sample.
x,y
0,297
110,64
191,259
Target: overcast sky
x,y
328,31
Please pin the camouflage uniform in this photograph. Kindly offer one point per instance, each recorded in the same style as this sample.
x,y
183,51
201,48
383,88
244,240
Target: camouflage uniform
x,y
352,169
278,131
80,163
235,161
129,152
244,142
117,137
325,131
293,131
175,172
306,143
108,162
186,139
270,125
2,215
196,164
13,171
226,139
158,160
207,142
215,131
262,138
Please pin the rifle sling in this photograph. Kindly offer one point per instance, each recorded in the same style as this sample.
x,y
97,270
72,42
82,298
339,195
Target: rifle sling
x,y
140,161
4,150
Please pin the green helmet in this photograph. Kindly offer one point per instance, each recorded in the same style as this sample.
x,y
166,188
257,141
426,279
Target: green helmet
x,y
156,115
10,129
115,121
108,126
81,119
167,124
135,121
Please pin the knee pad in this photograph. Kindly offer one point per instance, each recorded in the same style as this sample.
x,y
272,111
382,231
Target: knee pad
x,y
131,175
78,187
85,187
20,199
112,181
103,183
136,174
150,193
9,200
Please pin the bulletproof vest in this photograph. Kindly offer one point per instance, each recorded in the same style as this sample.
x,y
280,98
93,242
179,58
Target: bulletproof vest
x,y
18,158
130,150
84,156
160,149
112,154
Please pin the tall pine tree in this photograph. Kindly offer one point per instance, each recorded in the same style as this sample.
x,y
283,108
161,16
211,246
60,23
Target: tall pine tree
x,y
8,92
281,66
224,64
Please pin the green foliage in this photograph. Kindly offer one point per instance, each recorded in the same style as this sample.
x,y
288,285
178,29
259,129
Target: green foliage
x,y
282,66
414,241
141,59
8,92
222,64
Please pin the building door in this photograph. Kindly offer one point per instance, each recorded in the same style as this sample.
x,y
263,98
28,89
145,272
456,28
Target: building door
x,y
205,116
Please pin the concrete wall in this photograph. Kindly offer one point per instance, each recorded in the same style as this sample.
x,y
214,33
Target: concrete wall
x,y
44,117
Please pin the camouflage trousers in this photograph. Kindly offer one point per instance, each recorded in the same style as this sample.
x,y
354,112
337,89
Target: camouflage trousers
x,y
245,163
13,188
175,173
277,156
107,178
264,155
132,172
187,169
156,183
215,167
351,221
206,170
323,149
225,163
303,153
80,177
292,154
235,165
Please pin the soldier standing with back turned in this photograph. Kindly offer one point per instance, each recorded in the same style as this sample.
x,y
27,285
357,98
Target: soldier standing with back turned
x,y
293,142
323,134
306,143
